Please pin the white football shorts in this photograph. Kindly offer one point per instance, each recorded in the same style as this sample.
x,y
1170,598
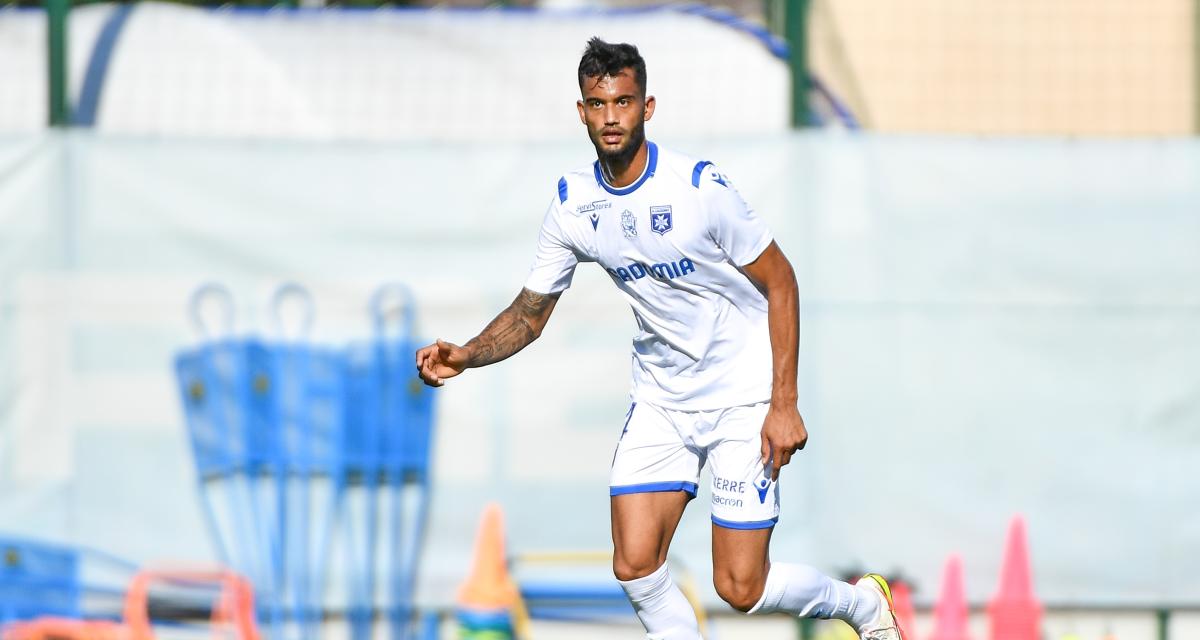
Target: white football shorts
x,y
664,450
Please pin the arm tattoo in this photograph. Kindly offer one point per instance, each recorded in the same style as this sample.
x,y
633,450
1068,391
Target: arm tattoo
x,y
510,331
531,304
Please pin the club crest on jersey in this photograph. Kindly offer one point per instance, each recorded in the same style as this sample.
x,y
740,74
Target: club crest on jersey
x,y
660,219
629,224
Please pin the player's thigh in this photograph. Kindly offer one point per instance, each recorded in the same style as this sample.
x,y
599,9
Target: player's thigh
x,y
741,560
642,527
745,506
654,475
740,552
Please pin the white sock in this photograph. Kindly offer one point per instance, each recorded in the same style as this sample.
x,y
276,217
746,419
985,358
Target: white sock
x,y
661,606
803,591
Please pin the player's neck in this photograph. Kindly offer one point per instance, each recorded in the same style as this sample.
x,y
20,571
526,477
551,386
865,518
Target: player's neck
x,y
624,171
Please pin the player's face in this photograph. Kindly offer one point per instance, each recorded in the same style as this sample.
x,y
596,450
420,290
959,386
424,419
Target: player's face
x,y
615,111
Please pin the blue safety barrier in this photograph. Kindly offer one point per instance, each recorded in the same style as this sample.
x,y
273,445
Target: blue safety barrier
x,y
578,586
294,439
38,579
562,599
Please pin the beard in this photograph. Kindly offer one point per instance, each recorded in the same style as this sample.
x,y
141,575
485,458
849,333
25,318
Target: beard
x,y
622,155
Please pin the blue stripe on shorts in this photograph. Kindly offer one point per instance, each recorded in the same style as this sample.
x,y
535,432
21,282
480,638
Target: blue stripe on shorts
x,y
761,524
654,487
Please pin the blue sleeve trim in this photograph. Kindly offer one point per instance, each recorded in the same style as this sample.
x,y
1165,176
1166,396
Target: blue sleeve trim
x,y
97,69
745,526
697,171
562,190
654,487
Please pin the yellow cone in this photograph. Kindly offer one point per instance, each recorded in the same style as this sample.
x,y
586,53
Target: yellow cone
x,y
489,602
489,586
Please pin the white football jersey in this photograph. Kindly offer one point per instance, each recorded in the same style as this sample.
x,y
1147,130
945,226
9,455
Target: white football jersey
x,y
673,242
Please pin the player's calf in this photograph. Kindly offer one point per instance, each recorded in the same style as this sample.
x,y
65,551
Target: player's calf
x,y
805,592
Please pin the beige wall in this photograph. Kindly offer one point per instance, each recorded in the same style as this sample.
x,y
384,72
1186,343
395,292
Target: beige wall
x,y
1106,67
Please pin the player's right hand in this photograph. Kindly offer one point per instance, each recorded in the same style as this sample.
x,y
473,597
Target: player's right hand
x,y
439,361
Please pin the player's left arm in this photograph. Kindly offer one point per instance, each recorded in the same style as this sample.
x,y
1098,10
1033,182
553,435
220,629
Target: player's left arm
x,y
783,431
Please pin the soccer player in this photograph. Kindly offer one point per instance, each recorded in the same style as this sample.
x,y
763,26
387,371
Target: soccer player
x,y
714,361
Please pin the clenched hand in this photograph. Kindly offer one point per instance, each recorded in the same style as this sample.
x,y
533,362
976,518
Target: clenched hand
x,y
439,361
783,434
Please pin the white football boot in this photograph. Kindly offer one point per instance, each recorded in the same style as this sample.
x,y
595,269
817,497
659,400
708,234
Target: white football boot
x,y
885,626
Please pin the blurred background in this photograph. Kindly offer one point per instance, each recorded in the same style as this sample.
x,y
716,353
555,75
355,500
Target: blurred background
x,y
993,209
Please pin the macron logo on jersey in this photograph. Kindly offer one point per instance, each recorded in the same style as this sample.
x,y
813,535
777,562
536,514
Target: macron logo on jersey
x,y
659,270
593,208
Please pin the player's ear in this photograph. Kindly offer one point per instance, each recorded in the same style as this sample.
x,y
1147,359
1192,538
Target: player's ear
x,y
579,106
648,110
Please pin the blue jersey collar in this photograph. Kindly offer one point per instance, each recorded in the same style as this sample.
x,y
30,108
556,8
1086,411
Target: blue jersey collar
x,y
651,167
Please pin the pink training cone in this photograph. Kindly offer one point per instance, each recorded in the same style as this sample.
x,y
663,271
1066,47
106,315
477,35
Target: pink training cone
x,y
905,616
1015,612
950,614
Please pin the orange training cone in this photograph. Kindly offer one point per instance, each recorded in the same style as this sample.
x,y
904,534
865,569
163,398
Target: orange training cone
x,y
902,600
488,598
1015,612
950,614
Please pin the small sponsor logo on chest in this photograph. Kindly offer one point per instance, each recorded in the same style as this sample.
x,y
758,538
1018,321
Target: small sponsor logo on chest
x,y
595,205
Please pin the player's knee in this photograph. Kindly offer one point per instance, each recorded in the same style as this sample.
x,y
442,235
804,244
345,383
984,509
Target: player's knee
x,y
631,566
742,592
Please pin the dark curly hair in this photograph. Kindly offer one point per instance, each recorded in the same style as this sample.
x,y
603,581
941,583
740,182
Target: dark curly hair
x,y
602,59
